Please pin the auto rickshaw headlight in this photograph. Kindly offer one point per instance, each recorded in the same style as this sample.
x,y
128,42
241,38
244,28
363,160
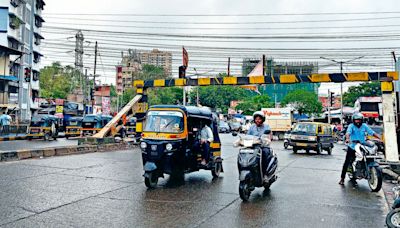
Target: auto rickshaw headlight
x,y
312,138
143,145
168,147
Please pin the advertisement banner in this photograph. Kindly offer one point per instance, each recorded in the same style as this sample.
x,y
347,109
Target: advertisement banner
x,y
106,105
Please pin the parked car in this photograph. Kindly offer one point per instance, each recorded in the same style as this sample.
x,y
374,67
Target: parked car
x,y
223,127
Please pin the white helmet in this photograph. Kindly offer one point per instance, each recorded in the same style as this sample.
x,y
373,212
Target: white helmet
x,y
260,114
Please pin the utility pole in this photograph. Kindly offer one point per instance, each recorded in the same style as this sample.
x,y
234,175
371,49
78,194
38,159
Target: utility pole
x,y
94,75
341,84
85,93
263,63
329,106
79,54
229,66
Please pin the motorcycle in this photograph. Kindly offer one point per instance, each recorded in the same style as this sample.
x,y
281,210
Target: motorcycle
x,y
286,139
365,166
252,174
393,218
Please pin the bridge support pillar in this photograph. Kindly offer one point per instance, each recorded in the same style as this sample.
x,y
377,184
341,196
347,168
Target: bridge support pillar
x,y
389,122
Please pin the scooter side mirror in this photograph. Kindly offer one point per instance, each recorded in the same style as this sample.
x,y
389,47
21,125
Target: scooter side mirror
x,y
267,132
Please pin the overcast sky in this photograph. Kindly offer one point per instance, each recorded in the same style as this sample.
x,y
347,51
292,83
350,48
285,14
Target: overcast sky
x,y
344,29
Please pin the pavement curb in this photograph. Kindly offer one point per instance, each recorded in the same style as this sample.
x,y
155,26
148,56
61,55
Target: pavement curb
x,y
12,138
62,151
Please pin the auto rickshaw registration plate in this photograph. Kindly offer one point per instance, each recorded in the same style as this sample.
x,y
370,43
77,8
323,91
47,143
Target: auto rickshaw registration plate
x,y
301,144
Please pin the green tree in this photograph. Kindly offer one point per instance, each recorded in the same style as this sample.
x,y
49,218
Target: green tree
x,y
169,95
219,97
150,72
368,89
255,103
57,81
304,102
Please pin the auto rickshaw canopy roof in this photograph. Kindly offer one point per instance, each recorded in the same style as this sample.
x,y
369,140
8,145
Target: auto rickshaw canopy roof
x,y
191,111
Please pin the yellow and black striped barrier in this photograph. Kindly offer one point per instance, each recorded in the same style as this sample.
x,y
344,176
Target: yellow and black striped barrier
x,y
276,79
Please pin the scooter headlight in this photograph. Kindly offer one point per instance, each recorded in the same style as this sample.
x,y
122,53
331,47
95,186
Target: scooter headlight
x,y
168,147
143,145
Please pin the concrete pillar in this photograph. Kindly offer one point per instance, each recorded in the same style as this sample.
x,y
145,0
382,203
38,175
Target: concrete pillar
x,y
389,123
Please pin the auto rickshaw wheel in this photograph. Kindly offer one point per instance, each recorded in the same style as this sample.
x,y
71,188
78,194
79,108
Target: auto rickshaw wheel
x,y
216,171
329,150
46,137
319,148
151,180
295,149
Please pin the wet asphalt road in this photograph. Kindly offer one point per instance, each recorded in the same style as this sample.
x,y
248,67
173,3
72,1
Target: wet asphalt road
x,y
107,190
36,144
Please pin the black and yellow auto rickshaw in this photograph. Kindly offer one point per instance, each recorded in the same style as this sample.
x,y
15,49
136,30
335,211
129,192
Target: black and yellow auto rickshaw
x,y
130,126
73,127
170,138
43,126
312,136
92,124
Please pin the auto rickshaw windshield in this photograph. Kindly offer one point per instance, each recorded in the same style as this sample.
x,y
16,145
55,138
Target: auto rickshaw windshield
x,y
75,123
305,128
38,121
164,122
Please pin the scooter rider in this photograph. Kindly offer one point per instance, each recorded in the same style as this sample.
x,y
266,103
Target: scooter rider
x,y
357,131
258,129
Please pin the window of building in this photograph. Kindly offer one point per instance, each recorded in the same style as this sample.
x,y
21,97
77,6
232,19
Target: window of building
x,y
38,22
27,16
36,57
26,56
27,34
14,69
14,3
38,40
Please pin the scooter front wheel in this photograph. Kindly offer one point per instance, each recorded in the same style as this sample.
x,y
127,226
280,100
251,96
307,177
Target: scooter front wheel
x,y
244,191
393,218
375,180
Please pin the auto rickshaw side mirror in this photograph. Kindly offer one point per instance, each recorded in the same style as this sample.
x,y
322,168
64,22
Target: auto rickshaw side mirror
x,y
234,133
319,129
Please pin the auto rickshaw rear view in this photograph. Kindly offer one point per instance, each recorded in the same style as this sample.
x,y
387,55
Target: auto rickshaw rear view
x,y
43,126
73,127
92,124
170,142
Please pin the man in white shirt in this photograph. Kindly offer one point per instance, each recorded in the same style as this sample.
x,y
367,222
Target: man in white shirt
x,y
206,137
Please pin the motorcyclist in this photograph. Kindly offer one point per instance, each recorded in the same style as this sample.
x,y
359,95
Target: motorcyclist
x,y
258,129
357,131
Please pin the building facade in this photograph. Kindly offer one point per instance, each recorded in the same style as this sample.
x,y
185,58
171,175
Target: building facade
x,y
278,91
132,62
20,40
158,58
